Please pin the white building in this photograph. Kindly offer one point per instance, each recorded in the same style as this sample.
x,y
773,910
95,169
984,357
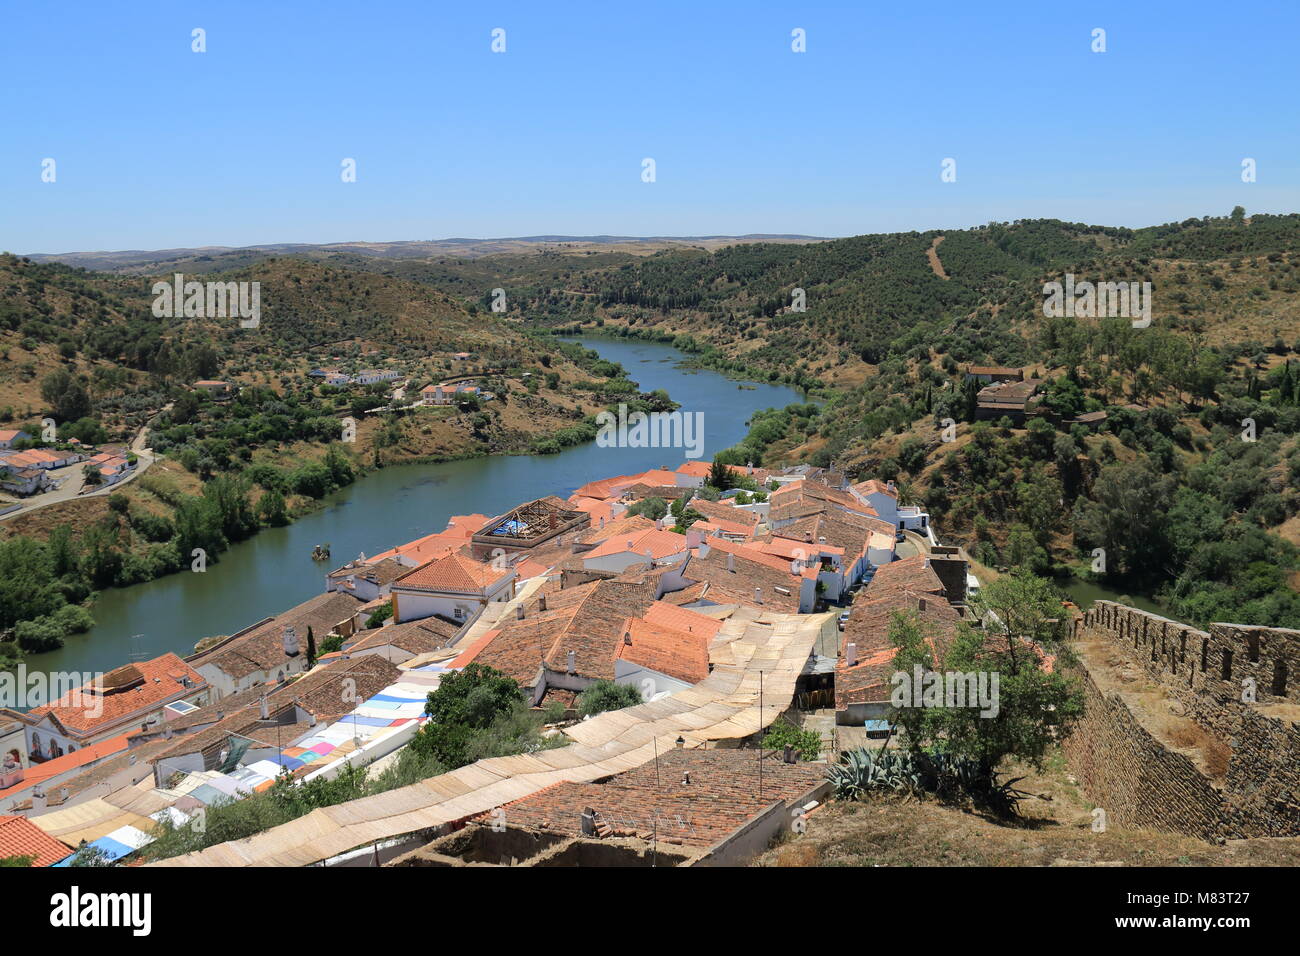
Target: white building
x,y
454,587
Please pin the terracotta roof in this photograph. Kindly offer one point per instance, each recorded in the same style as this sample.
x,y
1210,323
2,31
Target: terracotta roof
x,y
691,797
123,693
83,756
262,649
606,487
376,572
683,655
752,570
868,629
452,572
666,614
660,544
628,524
840,528
587,620
716,511
418,637
20,837
872,486
912,574
599,509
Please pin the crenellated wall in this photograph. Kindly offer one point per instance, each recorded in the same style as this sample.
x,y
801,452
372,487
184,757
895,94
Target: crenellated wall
x,y
1188,730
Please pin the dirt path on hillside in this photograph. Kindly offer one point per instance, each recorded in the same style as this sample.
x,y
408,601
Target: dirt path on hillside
x,y
933,255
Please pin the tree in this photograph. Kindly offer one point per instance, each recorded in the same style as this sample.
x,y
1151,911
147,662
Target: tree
x,y
311,648
1031,707
1019,607
67,397
465,702
272,510
653,508
720,475
606,695
1127,517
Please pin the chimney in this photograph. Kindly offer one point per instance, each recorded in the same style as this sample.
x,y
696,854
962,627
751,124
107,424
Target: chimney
x,y
649,557
573,662
850,654
38,800
686,778
265,710
550,520
704,549
788,754
795,566
627,638
519,612
758,595
731,562
588,822
921,605
630,544
290,642
659,524
602,523
693,538
541,603
821,539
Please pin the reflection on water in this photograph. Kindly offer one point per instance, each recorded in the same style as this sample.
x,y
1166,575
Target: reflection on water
x,y
1084,593
274,570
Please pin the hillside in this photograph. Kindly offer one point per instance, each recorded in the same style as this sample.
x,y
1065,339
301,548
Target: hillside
x,y
1188,507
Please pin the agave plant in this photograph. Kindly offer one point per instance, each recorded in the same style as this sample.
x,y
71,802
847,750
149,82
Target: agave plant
x,y
947,777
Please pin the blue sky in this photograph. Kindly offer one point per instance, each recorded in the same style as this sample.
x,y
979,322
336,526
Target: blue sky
x,y
157,146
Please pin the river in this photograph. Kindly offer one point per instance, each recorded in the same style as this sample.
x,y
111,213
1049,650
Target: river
x,y
273,570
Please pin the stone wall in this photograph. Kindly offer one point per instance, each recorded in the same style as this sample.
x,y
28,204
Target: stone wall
x,y
1216,753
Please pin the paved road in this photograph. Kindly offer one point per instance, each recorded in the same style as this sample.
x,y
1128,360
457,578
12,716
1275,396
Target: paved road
x,y
74,481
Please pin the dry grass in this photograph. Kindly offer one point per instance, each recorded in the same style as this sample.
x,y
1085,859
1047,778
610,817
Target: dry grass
x,y
1055,830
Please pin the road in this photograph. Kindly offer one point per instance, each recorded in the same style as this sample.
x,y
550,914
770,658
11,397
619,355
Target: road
x,y
74,481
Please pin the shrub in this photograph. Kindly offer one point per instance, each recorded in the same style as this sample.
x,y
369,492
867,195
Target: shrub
x,y
782,734
606,695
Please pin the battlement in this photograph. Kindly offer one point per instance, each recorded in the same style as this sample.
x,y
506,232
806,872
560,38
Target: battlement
x,y
1188,730
1230,662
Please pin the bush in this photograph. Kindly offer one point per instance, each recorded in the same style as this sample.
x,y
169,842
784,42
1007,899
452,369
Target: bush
x,y
865,771
606,695
782,734
40,634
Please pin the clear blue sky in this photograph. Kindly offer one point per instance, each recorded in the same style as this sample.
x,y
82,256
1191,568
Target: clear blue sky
x,y
157,146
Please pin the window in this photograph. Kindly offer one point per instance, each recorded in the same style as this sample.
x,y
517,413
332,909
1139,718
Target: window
x,y
1279,678
1227,665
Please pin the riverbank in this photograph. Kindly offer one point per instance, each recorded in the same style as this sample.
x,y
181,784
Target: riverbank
x,y
273,570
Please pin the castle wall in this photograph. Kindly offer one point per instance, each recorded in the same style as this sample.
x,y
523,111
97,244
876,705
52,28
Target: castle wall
x,y
1237,686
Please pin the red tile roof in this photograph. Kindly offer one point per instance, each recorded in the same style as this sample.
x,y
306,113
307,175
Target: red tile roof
x,y
660,544
453,572
20,837
148,685
683,655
